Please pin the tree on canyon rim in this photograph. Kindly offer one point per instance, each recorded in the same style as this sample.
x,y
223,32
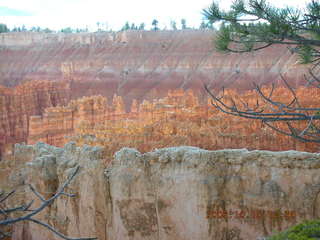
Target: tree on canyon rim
x,y
254,25
3,28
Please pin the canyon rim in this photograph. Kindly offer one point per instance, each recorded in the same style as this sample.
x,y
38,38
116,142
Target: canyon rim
x,y
157,161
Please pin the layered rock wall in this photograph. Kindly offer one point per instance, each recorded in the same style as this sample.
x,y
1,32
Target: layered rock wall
x,y
172,193
58,123
138,64
17,104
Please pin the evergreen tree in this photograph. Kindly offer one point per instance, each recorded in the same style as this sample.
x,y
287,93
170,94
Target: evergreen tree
x,y
47,30
3,28
125,27
173,25
133,27
98,27
203,25
155,24
183,24
67,30
254,25
141,26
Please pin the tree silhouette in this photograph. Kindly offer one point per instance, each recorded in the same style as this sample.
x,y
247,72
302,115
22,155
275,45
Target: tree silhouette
x,y
183,24
141,26
125,27
155,24
3,28
173,25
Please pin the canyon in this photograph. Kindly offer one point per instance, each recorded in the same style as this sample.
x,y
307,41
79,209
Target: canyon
x,y
19,103
170,193
40,71
177,119
139,64
157,160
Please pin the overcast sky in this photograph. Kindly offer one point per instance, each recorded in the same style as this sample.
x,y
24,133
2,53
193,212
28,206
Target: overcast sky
x,y
113,14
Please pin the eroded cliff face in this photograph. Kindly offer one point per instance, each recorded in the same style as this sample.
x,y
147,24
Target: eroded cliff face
x,y
47,167
17,104
172,193
180,118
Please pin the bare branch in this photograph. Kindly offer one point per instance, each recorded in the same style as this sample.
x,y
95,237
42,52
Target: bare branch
x,y
302,139
315,79
281,106
4,235
304,131
284,113
294,27
44,203
295,99
6,197
36,193
56,232
68,194
20,208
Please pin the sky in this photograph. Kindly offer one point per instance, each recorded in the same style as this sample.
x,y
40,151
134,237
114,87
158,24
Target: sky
x,y
111,14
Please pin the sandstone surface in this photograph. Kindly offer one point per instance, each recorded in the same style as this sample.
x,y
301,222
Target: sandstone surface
x,y
172,193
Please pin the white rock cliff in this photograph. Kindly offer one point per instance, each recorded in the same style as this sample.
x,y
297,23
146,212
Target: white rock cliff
x,y
173,193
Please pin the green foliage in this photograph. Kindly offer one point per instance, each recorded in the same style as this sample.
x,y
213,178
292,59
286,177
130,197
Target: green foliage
x,y
81,30
132,26
305,54
213,13
72,30
35,29
309,230
252,25
16,29
125,27
173,25
206,25
203,25
67,30
223,39
255,24
39,29
141,26
155,24
183,24
21,29
3,28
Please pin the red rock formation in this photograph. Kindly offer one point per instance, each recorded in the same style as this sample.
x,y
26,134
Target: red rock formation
x,y
177,119
17,104
141,65
59,122
138,64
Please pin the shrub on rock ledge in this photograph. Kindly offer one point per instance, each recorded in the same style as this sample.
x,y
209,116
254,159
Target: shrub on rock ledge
x,y
308,230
